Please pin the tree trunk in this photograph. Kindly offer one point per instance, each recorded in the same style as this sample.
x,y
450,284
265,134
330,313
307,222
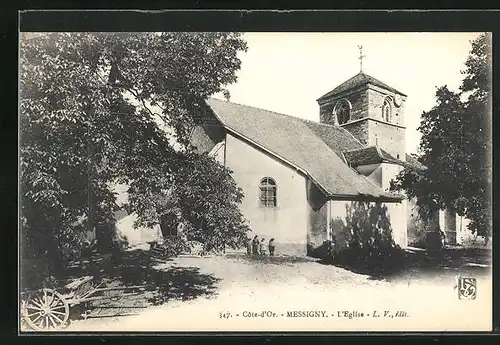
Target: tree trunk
x,y
168,224
104,237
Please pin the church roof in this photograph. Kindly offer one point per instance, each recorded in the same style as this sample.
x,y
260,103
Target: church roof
x,y
359,79
414,163
337,138
366,155
303,144
376,155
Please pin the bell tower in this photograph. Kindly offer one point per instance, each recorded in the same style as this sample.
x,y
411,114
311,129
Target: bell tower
x,y
369,109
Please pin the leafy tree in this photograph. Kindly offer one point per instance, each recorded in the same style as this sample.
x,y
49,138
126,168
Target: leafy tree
x,y
199,193
456,147
88,120
201,188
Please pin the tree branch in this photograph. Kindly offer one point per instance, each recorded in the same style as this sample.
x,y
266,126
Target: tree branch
x,y
141,99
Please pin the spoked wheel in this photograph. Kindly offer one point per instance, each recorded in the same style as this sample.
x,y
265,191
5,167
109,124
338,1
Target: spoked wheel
x,y
46,309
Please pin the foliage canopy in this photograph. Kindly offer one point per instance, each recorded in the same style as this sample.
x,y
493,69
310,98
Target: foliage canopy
x,y
456,146
91,109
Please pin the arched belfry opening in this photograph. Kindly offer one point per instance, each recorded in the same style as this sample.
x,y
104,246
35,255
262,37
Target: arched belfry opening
x,y
342,111
387,110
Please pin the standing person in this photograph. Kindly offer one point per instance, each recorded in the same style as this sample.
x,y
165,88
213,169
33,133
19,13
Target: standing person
x,y
180,228
255,245
443,238
332,248
249,246
271,247
262,247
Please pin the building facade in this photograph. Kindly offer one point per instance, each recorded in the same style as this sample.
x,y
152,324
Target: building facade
x,y
302,179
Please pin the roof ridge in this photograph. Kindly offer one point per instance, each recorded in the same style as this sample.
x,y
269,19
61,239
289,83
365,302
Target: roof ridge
x,y
342,83
253,107
358,80
276,113
295,117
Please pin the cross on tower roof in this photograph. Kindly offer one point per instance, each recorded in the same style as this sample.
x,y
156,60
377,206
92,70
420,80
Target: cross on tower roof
x,y
361,56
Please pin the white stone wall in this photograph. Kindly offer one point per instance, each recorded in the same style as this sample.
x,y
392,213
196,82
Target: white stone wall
x,y
464,235
125,227
287,222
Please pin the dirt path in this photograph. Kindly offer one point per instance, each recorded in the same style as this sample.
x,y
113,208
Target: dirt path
x,y
287,284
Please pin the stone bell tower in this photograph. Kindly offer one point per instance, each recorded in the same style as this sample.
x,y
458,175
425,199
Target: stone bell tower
x,y
370,109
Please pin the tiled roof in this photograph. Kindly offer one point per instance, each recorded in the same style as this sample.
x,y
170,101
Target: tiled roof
x,y
337,138
356,81
364,156
414,163
305,145
374,155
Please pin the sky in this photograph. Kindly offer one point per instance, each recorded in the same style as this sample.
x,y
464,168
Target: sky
x,y
287,72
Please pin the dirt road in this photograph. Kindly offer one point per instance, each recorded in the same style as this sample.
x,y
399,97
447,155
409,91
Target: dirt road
x,y
231,293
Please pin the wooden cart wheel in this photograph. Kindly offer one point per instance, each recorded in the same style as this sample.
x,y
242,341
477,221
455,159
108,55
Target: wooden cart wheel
x,y
46,309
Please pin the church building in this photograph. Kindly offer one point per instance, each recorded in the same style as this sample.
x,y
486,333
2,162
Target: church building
x,y
297,175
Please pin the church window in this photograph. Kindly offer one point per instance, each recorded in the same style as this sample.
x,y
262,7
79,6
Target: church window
x,y
268,192
343,111
387,111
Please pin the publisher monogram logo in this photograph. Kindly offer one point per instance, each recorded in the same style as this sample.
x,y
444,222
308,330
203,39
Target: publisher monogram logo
x,y
467,288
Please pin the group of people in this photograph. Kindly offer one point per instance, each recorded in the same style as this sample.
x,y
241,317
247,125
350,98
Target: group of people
x,y
256,247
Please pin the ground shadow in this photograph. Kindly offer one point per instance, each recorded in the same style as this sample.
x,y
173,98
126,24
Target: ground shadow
x,y
363,243
267,259
449,261
160,281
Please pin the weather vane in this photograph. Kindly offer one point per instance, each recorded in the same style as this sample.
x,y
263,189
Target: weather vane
x,y
361,56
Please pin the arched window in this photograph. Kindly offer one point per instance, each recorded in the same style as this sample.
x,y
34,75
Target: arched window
x,y
387,111
343,111
268,192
